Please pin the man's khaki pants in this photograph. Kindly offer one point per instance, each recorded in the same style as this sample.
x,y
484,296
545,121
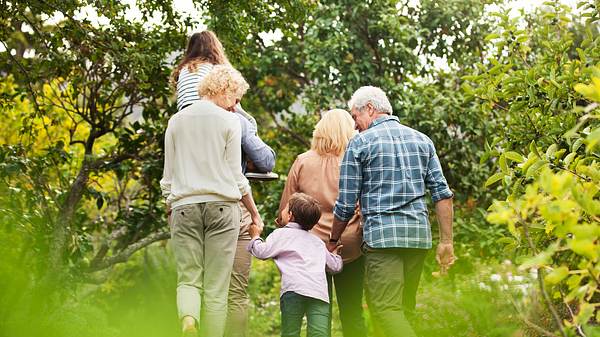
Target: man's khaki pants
x,y
238,300
203,237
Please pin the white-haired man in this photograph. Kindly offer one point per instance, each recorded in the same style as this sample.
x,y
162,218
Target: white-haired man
x,y
390,166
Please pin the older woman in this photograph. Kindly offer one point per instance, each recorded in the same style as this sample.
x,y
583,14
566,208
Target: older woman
x,y
203,182
317,173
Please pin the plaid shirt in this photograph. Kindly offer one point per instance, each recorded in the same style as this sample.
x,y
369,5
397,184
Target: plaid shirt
x,y
389,166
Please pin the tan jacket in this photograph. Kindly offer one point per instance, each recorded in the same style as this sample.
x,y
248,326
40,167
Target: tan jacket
x,y
318,177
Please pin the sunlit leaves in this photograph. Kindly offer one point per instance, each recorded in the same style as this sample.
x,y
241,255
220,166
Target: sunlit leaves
x,y
557,275
550,111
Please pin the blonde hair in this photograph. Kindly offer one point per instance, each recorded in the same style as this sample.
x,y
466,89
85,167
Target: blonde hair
x,y
333,132
223,79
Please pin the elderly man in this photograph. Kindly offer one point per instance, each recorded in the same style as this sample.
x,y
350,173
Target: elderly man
x,y
389,166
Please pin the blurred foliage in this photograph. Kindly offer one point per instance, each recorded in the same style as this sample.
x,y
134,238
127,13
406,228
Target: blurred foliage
x,y
138,300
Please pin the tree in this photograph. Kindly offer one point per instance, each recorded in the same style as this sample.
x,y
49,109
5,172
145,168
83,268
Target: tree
x,y
85,84
534,87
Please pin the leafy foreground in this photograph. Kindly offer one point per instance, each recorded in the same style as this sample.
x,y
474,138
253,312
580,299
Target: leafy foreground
x,y
139,300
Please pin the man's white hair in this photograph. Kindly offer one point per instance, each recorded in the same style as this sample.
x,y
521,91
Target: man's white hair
x,y
373,95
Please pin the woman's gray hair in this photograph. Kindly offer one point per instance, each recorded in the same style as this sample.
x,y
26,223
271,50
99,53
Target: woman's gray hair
x,y
373,95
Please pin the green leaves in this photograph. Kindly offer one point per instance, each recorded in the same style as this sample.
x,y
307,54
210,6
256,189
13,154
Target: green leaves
x,y
492,36
590,91
514,156
557,275
546,108
494,179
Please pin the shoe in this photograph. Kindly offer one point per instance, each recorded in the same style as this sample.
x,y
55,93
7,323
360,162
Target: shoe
x,y
190,333
262,176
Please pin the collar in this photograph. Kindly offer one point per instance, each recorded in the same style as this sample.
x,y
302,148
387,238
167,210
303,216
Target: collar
x,y
383,119
293,225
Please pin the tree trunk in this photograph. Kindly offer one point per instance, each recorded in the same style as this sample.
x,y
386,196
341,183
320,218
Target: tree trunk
x,y
62,226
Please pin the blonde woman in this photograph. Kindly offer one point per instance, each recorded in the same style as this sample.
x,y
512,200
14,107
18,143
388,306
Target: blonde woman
x,y
316,173
203,183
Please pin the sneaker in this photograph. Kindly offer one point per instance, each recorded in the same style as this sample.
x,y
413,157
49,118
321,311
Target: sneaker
x,y
192,332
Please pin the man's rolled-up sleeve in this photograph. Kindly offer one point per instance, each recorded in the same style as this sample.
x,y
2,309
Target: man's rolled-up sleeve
x,y
435,180
257,151
350,181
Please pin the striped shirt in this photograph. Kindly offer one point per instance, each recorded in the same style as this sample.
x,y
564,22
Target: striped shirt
x,y
187,84
390,166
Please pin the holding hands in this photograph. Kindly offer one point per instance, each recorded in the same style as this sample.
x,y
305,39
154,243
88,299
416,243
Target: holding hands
x,y
254,230
257,221
337,250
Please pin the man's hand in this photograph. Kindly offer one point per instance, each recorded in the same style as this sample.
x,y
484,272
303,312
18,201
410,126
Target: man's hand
x,y
254,231
169,211
337,250
445,256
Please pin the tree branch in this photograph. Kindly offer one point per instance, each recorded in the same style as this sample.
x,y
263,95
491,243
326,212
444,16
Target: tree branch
x,y
294,135
26,73
528,322
105,246
540,279
124,254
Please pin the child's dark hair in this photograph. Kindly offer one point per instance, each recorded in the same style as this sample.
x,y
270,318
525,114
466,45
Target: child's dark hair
x,y
305,209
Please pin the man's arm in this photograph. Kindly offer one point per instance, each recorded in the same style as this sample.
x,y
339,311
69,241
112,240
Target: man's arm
x,y
248,201
444,212
337,229
233,156
257,151
442,197
350,186
445,250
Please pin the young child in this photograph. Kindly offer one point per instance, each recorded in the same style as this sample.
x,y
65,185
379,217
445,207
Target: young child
x,y
302,260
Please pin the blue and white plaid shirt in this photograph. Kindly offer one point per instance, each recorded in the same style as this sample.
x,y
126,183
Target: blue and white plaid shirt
x,y
389,166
